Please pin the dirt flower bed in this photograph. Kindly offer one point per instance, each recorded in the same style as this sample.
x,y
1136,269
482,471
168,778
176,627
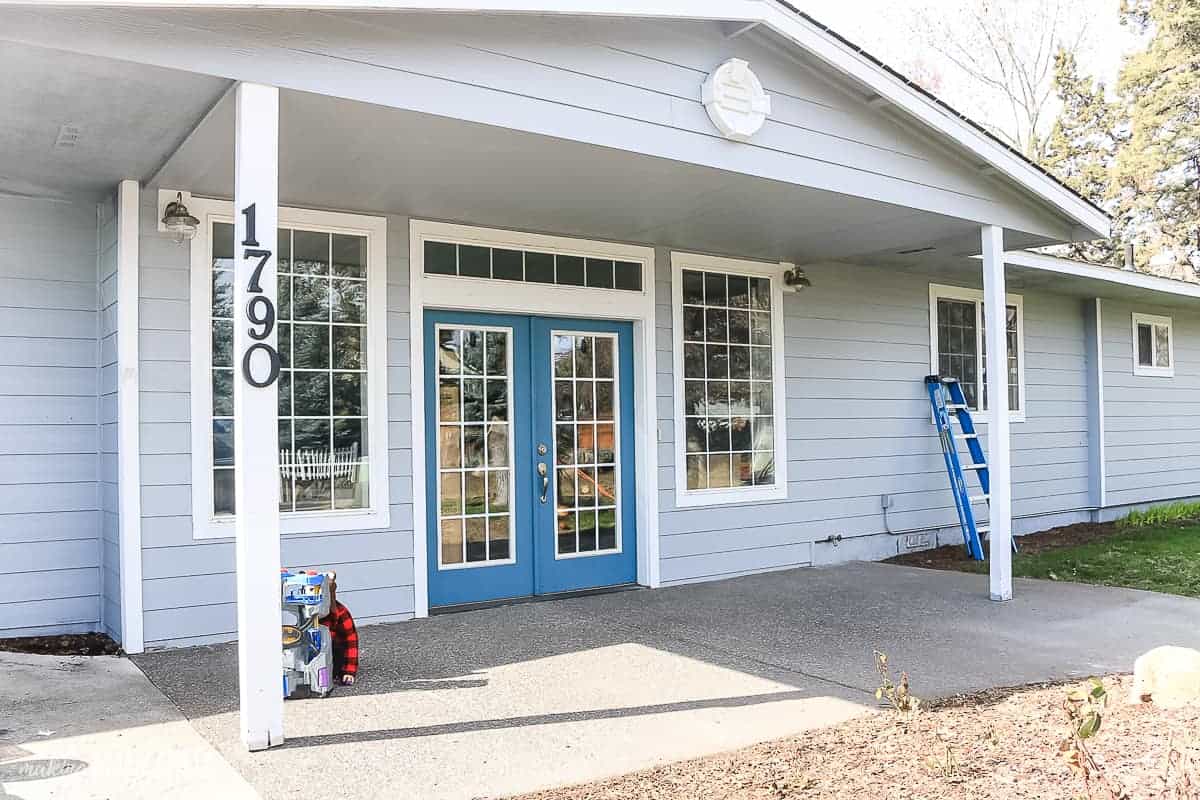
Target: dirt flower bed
x,y
79,644
954,557
997,745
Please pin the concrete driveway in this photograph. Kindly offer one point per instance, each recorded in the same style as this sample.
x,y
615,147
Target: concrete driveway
x,y
74,728
504,700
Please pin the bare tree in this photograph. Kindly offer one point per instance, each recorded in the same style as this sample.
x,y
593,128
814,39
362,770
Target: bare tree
x,y
1001,59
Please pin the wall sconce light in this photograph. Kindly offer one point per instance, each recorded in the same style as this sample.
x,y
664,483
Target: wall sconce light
x,y
178,222
795,279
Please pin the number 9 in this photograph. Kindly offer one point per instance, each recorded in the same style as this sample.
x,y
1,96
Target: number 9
x,y
265,316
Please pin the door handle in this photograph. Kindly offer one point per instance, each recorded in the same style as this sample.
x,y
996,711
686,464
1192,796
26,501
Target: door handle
x,y
541,469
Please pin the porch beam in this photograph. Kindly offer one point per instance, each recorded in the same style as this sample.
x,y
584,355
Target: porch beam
x,y
255,410
995,309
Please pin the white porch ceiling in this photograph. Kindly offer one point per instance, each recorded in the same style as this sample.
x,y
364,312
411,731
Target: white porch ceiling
x,y
346,155
129,118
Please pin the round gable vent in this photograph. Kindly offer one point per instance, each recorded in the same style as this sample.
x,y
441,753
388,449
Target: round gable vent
x,y
735,100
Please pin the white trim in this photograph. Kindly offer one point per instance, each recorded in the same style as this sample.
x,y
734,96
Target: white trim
x,y
512,462
944,291
999,439
1112,275
1100,416
800,31
692,498
612,551
378,516
1144,370
477,294
129,469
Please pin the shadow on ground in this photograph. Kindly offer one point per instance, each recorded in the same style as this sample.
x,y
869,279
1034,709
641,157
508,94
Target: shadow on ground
x,y
510,699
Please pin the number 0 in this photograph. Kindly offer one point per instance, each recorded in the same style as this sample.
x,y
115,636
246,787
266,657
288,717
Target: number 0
x,y
272,374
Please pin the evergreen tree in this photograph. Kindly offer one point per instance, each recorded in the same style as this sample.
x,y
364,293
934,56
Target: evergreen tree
x,y
1082,147
1156,175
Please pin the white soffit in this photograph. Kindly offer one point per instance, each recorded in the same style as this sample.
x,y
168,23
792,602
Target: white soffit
x,y
787,23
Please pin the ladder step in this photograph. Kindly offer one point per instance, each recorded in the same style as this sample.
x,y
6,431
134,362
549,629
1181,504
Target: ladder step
x,y
966,435
980,498
974,466
956,407
982,529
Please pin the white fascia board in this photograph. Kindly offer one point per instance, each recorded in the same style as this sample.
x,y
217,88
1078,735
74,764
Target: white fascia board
x,y
1119,277
788,24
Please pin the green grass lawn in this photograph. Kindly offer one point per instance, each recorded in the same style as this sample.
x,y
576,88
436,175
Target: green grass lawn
x,y
1161,558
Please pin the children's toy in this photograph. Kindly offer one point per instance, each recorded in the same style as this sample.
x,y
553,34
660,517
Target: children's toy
x,y
307,647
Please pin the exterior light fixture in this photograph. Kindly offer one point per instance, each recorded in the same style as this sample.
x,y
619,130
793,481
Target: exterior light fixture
x,y
795,279
179,223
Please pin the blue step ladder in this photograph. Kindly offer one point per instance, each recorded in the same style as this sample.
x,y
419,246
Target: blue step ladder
x,y
950,406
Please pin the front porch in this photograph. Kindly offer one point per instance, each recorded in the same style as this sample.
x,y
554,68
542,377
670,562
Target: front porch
x,y
512,699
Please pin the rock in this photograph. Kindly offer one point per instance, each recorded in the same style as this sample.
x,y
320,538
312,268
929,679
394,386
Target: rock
x,y
1166,676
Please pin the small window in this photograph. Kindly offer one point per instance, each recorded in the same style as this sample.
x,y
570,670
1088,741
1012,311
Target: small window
x,y
1154,353
959,350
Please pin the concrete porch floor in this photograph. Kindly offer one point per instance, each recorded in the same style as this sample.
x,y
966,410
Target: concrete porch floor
x,y
503,700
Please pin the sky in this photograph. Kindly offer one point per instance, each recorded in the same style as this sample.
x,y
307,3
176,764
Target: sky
x,y
884,29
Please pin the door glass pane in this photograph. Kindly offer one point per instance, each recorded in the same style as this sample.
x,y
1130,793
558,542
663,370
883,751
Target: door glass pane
x,y
474,445
586,453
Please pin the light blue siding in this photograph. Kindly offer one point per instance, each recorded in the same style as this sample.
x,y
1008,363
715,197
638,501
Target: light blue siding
x,y
188,584
858,427
50,499
1152,435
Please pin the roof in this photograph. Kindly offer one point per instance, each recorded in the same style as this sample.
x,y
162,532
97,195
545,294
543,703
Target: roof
x,y
1097,274
800,30
934,98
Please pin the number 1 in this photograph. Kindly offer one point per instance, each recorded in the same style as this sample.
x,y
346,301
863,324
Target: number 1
x,y
248,213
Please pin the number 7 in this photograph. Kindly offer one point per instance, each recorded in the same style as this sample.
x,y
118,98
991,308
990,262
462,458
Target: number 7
x,y
262,256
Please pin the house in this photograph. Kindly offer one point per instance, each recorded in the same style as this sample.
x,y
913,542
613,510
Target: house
x,y
558,295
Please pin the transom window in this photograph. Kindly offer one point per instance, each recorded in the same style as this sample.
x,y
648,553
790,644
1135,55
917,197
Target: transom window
x,y
529,266
330,415
728,331
959,347
1154,353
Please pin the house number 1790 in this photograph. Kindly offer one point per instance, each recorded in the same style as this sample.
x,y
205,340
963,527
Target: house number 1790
x,y
260,310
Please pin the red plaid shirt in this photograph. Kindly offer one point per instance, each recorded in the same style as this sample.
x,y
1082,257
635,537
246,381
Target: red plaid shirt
x,y
345,641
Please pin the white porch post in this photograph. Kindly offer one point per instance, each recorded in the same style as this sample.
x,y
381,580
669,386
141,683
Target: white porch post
x,y
998,455
255,410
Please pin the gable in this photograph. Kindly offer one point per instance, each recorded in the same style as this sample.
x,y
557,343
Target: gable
x,y
618,82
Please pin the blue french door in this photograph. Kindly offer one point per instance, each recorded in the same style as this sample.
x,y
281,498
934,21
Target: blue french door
x,y
529,456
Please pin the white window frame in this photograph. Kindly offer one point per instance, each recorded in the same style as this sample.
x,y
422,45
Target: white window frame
x,y
939,291
1153,371
205,524
692,498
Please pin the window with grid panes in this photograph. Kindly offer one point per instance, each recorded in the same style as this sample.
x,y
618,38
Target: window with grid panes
x,y
474,445
961,347
586,441
323,404
727,380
